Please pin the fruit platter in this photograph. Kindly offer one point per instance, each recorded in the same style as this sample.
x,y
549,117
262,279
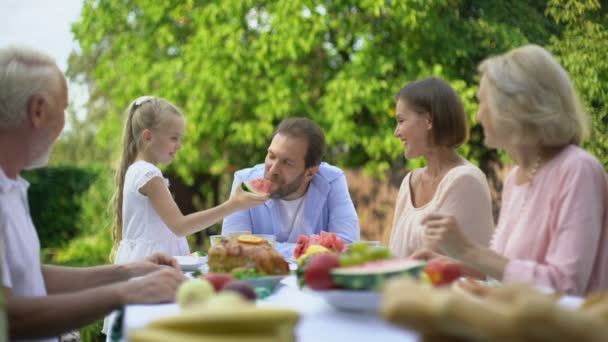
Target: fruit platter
x,y
348,277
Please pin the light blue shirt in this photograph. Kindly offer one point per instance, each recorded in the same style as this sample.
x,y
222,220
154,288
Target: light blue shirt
x,y
327,207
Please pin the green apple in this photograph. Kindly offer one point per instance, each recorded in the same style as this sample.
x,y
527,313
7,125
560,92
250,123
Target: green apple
x,y
194,292
226,300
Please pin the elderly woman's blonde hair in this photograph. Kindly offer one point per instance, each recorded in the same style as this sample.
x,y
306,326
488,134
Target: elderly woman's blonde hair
x,y
531,95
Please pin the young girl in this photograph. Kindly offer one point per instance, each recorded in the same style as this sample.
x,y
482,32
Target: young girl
x,y
147,218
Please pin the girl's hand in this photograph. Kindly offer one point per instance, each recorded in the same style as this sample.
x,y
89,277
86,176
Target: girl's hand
x,y
444,232
244,200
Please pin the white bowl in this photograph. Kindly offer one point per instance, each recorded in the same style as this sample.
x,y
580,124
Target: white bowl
x,y
189,263
214,239
269,282
352,300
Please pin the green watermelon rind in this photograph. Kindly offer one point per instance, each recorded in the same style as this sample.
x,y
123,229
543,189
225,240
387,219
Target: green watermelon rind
x,y
360,278
247,187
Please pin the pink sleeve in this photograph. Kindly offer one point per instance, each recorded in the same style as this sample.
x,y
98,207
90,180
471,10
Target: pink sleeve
x,y
575,232
468,200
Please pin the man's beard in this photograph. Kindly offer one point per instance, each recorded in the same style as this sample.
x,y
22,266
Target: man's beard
x,y
289,188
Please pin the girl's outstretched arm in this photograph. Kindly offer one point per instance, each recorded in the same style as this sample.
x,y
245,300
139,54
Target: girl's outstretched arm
x,y
183,225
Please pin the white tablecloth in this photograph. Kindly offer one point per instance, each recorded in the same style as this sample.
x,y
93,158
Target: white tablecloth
x,y
319,321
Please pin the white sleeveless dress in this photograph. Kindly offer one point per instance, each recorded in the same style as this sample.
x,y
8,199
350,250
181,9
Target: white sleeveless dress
x,y
143,231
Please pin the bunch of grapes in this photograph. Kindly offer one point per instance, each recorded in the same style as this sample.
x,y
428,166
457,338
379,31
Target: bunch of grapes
x,y
360,252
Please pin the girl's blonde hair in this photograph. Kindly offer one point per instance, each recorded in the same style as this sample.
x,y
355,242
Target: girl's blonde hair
x,y
532,96
146,112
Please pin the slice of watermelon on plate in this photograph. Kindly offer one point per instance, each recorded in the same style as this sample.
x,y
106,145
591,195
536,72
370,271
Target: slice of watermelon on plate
x,y
258,185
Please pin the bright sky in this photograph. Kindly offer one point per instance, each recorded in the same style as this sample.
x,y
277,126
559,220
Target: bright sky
x,y
40,24
44,25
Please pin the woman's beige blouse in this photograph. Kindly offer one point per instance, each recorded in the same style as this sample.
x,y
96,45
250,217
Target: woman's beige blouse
x,y
463,192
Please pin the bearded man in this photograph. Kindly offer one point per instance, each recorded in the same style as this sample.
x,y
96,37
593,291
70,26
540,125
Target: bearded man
x,y
307,195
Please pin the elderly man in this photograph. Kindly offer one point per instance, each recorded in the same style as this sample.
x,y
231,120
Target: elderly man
x,y
307,196
43,301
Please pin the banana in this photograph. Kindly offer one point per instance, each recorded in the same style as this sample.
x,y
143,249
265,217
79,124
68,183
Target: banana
x,y
165,335
234,321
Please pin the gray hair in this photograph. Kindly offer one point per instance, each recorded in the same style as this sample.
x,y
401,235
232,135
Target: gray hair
x,y
24,72
532,96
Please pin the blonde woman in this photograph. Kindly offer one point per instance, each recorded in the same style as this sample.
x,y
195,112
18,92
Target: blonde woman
x,y
431,123
552,229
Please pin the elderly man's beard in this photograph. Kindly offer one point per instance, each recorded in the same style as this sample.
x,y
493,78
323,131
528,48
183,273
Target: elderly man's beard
x,y
287,189
40,154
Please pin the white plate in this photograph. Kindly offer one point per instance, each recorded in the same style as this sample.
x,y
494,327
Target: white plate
x,y
352,300
190,263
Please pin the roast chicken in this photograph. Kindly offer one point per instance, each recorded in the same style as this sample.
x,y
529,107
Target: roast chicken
x,y
228,255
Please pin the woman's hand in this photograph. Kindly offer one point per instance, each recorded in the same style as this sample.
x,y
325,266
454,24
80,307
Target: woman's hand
x,y
425,254
242,199
444,232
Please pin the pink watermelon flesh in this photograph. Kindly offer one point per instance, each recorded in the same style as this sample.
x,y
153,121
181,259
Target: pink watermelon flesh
x,y
259,185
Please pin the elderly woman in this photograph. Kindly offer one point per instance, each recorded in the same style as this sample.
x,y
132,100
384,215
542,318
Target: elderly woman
x,y
431,123
552,229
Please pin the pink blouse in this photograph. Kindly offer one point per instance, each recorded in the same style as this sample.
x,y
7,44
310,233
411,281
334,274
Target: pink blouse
x,y
554,229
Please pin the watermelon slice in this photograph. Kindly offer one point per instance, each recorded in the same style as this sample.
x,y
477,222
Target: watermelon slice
x,y
325,239
301,246
257,186
371,275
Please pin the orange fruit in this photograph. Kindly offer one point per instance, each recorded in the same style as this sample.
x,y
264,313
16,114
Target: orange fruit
x,y
251,239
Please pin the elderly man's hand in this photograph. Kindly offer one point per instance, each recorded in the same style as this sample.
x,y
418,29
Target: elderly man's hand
x,y
152,263
163,259
156,287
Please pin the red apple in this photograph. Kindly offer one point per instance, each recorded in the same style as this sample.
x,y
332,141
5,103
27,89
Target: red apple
x,y
316,273
244,289
442,271
218,280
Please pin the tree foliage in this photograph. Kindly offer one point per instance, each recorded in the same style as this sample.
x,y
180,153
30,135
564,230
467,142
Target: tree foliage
x,y
237,67
55,201
582,50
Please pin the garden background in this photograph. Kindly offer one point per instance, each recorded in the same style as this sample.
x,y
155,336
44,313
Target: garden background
x,y
237,67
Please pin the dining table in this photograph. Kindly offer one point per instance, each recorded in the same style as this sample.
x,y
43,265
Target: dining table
x,y
319,320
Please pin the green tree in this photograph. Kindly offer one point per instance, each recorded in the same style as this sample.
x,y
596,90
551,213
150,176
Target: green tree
x,y
582,49
237,67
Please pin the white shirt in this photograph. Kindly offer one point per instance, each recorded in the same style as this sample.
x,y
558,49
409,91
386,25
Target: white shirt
x,y
291,215
143,231
21,268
